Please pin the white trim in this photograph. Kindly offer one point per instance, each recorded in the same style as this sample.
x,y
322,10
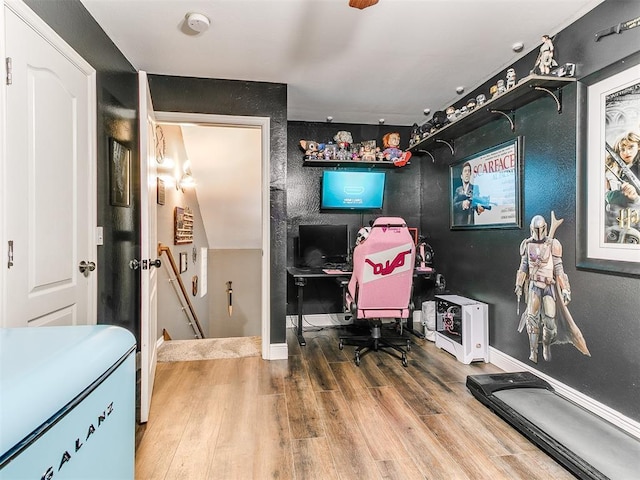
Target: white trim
x,y
510,364
3,172
277,351
265,125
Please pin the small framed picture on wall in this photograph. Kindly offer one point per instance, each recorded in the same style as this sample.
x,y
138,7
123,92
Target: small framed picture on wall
x,y
119,164
183,262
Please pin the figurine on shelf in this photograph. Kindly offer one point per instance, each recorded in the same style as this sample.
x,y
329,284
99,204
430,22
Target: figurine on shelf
x,y
343,137
511,78
451,113
415,134
390,143
439,119
311,149
392,152
343,152
480,99
330,151
354,152
471,104
368,151
501,87
426,129
545,60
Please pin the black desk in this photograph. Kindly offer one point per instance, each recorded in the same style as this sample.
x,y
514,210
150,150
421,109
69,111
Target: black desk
x,y
301,275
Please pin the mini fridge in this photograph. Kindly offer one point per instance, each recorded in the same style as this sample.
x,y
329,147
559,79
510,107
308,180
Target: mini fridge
x,y
67,403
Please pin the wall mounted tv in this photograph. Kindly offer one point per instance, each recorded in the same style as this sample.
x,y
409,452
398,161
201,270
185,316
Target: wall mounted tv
x,y
352,190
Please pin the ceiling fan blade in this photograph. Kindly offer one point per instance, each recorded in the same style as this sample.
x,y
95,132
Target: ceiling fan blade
x,y
362,3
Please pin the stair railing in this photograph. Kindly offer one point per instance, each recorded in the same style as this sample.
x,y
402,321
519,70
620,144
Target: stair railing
x,y
184,298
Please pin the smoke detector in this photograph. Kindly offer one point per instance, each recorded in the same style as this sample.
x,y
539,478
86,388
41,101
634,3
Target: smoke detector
x,y
198,22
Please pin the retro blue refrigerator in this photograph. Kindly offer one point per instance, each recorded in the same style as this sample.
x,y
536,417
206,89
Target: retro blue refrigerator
x,y
67,403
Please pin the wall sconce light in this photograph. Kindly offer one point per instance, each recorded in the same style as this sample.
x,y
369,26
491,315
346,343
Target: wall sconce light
x,y
187,180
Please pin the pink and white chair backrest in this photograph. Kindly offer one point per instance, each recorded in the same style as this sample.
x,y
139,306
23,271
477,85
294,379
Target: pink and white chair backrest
x,y
383,271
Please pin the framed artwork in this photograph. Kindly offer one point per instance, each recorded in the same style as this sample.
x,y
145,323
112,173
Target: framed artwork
x,y
161,192
608,228
119,165
183,225
486,188
183,262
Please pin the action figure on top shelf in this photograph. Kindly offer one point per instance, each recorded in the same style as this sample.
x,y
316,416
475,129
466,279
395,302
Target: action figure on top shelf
x,y
368,151
312,149
542,279
392,152
343,140
511,78
545,60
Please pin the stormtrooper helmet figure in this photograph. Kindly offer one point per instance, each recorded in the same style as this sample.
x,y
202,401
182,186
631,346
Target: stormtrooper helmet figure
x,y
362,235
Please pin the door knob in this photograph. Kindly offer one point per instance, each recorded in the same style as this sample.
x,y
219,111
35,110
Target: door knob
x,y
86,267
144,264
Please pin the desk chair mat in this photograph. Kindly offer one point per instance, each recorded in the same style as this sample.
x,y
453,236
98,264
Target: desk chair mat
x,y
585,444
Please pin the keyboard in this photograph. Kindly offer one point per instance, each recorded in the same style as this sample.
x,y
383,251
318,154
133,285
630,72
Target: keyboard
x,y
344,267
337,268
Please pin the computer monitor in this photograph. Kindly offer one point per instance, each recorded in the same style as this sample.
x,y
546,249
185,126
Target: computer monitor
x,y
352,190
320,245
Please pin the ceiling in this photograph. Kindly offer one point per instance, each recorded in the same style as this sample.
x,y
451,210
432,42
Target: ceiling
x,y
390,61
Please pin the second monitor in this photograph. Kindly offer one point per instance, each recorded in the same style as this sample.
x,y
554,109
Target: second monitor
x,y
322,245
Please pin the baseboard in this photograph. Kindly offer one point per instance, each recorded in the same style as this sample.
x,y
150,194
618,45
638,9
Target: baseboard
x,y
318,320
510,364
277,351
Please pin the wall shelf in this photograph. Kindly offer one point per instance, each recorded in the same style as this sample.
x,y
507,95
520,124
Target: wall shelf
x,y
502,106
348,163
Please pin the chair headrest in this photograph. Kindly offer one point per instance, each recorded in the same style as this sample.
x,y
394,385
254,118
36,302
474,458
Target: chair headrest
x,y
389,222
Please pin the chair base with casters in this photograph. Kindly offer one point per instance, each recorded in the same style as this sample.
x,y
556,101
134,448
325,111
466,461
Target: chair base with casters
x,y
375,342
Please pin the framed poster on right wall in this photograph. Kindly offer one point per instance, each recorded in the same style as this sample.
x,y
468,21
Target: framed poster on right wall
x,y
609,200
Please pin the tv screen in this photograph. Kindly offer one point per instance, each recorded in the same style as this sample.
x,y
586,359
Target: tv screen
x,y
363,190
321,245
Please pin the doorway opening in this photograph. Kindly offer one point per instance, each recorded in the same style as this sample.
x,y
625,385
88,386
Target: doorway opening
x,y
194,125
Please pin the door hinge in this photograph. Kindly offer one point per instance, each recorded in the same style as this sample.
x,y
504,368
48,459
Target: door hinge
x,y
9,71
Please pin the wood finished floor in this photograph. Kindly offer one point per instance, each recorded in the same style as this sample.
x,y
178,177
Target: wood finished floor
x,y
318,416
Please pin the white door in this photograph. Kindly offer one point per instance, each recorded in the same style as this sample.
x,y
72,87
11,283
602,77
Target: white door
x,y
148,247
49,188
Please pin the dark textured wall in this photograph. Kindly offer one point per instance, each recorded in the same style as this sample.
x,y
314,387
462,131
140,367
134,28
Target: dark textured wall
x,y
117,117
482,263
402,198
231,97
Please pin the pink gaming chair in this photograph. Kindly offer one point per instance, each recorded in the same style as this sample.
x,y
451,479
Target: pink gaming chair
x,y
381,284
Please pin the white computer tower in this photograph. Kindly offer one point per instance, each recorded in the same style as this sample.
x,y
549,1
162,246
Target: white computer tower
x,y
462,328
